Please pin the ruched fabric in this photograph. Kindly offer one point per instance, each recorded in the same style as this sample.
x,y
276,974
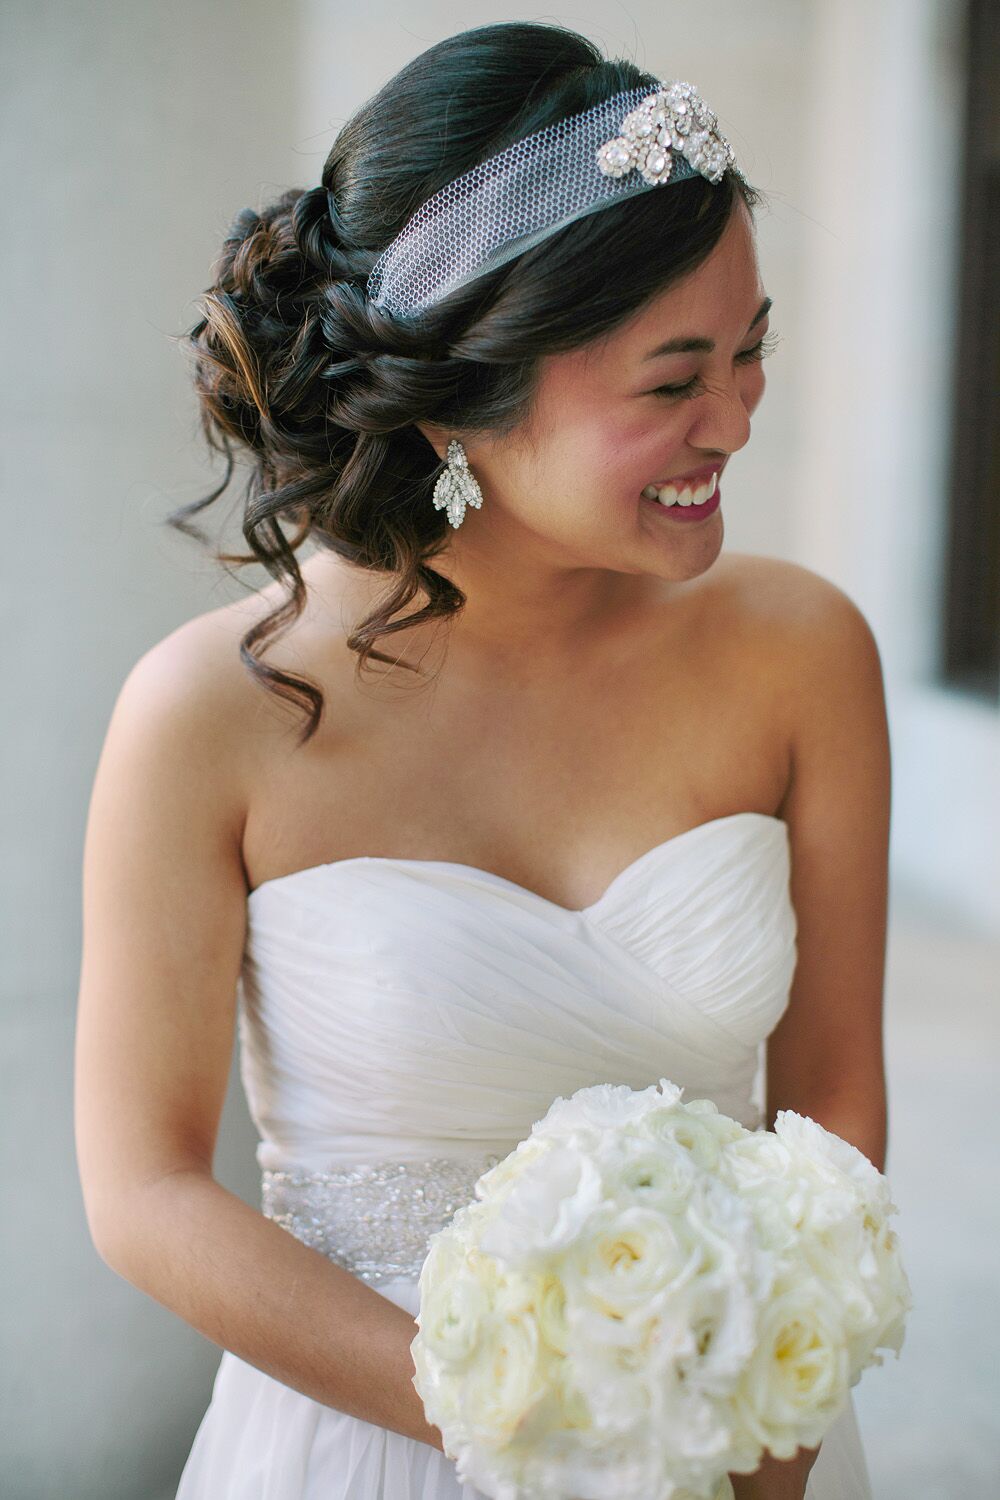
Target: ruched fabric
x,y
395,1010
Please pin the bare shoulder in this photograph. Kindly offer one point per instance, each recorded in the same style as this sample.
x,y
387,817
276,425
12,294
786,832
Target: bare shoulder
x,y
799,623
774,590
825,1058
193,688
164,920
815,664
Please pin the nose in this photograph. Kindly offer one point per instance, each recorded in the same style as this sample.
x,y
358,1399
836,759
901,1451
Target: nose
x,y
722,420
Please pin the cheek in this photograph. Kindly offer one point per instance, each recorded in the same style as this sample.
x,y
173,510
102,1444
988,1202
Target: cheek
x,y
588,456
615,463
593,459
650,448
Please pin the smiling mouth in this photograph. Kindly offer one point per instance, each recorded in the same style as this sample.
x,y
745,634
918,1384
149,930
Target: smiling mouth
x,y
685,495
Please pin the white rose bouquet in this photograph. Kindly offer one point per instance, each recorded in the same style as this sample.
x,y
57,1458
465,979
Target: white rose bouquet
x,y
646,1295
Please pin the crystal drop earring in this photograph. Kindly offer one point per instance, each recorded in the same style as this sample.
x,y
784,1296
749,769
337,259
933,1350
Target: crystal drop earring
x,y
457,486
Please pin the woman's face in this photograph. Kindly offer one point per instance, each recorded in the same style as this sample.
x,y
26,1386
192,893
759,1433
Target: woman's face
x,y
565,488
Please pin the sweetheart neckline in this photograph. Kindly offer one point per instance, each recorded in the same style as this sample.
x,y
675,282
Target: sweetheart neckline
x,y
502,880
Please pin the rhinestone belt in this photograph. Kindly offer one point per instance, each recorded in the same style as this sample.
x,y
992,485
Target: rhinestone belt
x,y
374,1220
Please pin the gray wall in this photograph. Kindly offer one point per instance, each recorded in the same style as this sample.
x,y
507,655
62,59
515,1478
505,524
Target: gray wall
x,y
130,133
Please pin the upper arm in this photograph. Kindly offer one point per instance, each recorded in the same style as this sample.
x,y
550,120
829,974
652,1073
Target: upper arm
x,y
828,1045
164,914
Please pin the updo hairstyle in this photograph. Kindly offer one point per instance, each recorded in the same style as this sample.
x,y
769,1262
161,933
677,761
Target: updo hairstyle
x,y
298,373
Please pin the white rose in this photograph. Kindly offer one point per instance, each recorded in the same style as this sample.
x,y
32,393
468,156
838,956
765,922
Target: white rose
x,y
652,1174
698,1133
834,1256
437,1390
817,1217
496,1180
600,1107
505,1380
453,1301
883,1298
545,1209
736,1275
673,1434
724,1225
550,1311
625,1257
766,1175
608,1366
723,1127
797,1379
805,1136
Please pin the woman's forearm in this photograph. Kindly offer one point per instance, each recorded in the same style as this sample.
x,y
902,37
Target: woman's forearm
x,y
776,1478
249,1286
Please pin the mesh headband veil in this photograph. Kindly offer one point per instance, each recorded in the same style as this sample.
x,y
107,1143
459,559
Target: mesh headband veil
x,y
624,145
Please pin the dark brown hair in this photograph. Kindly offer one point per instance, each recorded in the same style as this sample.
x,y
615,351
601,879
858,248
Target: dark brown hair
x,y
294,366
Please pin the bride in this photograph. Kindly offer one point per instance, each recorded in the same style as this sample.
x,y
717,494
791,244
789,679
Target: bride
x,y
613,807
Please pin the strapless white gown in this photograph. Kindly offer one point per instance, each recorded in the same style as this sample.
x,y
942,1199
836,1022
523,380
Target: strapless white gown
x,y
402,1022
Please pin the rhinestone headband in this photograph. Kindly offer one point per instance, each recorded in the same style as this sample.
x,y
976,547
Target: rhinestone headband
x,y
625,145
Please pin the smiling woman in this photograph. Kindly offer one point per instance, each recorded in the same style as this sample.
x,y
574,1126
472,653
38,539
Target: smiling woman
x,y
600,851
344,408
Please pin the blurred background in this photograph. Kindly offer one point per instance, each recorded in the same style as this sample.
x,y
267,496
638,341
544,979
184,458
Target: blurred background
x,y
131,134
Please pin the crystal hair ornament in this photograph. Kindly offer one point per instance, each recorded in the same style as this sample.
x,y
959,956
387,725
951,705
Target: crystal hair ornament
x,y
634,141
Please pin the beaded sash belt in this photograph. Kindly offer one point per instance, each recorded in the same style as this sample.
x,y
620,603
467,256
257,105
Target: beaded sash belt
x,y
374,1220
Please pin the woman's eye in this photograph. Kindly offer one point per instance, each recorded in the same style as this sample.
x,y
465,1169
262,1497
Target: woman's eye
x,y
760,350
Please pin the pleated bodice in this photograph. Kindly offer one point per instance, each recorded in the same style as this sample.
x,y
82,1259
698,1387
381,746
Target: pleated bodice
x,y
401,1009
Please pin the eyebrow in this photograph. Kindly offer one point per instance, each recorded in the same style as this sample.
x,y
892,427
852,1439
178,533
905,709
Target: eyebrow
x,y
685,345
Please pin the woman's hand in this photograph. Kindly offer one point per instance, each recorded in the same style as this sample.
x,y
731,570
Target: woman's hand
x,y
776,1478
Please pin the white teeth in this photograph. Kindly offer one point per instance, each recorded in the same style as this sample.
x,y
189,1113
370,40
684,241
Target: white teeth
x,y
668,494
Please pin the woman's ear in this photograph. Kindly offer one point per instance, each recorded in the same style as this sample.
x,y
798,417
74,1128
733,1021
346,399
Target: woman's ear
x,y
436,436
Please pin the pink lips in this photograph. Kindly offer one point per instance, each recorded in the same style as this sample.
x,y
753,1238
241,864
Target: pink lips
x,y
688,512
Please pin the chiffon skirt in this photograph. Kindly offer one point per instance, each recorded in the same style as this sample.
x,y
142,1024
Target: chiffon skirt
x,y
261,1440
